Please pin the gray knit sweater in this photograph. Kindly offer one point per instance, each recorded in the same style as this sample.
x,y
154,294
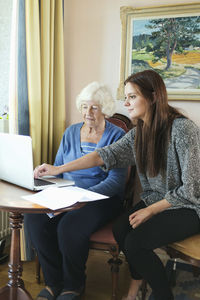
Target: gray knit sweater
x,y
181,184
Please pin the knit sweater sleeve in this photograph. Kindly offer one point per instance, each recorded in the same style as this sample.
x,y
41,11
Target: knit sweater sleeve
x,y
186,145
119,154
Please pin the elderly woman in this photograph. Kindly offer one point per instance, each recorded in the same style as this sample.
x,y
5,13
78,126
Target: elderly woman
x,y
62,242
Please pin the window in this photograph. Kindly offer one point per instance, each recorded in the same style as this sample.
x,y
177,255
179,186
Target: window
x,y
5,35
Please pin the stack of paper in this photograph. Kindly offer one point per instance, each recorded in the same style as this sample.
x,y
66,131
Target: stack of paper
x,y
56,198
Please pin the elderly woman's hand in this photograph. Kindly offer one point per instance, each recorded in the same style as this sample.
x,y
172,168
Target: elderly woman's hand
x,y
45,169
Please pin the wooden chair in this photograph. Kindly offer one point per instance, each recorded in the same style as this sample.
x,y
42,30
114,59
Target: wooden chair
x,y
186,250
103,239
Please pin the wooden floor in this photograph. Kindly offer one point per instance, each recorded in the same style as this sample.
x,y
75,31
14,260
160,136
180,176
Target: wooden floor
x,y
98,285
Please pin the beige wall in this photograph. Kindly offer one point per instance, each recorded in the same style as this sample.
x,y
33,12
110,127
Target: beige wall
x,y
92,48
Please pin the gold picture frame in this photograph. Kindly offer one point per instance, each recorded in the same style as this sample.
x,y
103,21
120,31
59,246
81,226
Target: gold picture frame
x,y
137,20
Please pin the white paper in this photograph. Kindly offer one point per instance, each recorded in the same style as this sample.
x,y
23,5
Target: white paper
x,y
56,198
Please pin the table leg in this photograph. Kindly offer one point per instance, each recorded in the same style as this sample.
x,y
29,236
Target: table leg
x,y
14,290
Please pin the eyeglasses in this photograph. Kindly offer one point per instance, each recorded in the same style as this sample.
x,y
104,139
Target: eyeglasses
x,y
93,108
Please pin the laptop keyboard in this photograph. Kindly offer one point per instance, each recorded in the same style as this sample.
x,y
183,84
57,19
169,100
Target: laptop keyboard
x,y
41,182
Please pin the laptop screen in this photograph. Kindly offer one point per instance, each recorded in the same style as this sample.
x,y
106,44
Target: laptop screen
x,y
16,160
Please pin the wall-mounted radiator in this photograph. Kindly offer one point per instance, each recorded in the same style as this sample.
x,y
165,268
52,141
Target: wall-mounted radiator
x,y
4,224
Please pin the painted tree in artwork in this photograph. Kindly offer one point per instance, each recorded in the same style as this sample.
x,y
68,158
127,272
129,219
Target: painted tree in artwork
x,y
171,34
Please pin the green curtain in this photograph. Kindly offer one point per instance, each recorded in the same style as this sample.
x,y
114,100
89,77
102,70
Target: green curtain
x,y
37,83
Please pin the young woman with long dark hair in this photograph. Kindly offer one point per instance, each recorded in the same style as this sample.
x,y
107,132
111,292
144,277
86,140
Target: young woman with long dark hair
x,y
165,147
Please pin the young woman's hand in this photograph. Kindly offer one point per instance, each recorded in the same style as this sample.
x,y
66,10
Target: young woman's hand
x,y
140,216
45,169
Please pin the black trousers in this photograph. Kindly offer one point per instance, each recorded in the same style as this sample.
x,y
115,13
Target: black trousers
x,y
62,243
138,244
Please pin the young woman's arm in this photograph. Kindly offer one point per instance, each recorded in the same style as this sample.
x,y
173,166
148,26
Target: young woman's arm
x,y
84,162
142,215
117,155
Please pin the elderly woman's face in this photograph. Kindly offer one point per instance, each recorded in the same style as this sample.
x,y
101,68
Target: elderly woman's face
x,y
92,114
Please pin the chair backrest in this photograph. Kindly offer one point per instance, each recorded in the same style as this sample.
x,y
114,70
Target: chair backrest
x,y
121,121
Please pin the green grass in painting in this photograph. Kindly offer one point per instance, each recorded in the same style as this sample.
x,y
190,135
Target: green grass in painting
x,y
142,55
180,62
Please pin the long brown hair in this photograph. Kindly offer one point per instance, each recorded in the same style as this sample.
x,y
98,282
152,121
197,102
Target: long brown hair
x,y
152,136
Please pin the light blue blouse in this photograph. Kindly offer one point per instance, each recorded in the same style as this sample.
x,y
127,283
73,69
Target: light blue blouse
x,y
95,179
87,147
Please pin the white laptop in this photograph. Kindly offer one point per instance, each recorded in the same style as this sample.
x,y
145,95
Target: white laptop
x,y
16,164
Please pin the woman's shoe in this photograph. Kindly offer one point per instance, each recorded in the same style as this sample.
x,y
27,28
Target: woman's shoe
x,y
46,294
49,293
71,295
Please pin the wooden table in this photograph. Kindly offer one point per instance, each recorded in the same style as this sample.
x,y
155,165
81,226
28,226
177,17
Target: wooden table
x,y
11,201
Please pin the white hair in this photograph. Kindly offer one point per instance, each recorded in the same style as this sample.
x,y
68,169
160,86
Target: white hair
x,y
100,94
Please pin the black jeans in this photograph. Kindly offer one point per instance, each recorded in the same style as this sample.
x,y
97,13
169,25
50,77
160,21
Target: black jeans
x,y
62,243
138,244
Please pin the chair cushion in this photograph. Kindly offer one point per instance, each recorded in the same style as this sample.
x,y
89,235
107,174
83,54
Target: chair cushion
x,y
189,246
104,235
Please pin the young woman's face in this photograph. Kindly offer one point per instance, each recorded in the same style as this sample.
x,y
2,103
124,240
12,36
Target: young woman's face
x,y
135,102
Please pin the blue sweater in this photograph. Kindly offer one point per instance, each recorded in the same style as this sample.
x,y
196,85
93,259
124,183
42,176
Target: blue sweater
x,y
94,179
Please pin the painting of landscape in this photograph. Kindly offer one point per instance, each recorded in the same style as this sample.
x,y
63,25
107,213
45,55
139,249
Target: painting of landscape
x,y
170,46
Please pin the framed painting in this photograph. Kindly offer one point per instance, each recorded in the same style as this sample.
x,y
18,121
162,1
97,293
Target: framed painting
x,y
167,40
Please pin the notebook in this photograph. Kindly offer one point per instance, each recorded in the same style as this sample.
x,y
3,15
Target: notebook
x,y
16,164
